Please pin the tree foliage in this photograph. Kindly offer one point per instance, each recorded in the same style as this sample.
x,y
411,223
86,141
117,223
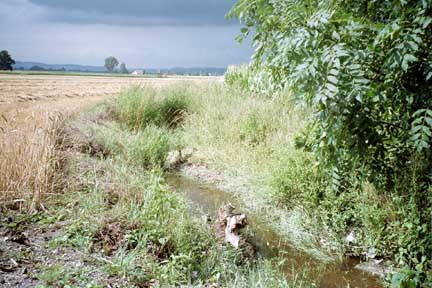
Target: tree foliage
x,y
6,61
110,63
365,67
123,68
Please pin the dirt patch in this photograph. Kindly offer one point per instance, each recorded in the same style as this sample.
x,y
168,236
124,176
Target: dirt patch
x,y
110,238
27,260
75,139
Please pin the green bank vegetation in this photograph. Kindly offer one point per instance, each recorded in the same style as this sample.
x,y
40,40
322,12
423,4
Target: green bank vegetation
x,y
317,198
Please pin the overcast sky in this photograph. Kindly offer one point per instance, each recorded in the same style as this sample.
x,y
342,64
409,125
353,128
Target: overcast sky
x,y
141,33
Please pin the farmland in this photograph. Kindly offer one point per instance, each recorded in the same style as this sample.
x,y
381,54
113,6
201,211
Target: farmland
x,y
19,91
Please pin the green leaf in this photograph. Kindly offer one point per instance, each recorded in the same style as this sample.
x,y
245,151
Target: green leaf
x,y
335,36
332,88
416,129
332,79
426,22
427,131
407,59
413,45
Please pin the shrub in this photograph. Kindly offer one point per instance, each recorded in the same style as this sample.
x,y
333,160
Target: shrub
x,y
296,179
254,128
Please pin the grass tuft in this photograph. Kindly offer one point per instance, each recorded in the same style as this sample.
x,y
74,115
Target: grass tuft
x,y
140,107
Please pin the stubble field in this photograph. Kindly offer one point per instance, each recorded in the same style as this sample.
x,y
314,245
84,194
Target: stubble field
x,y
24,93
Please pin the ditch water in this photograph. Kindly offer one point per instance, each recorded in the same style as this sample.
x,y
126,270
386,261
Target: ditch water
x,y
270,245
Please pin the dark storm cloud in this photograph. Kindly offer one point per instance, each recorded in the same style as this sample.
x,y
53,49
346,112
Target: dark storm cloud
x,y
142,33
138,12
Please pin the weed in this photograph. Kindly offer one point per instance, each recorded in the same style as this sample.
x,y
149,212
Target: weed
x,y
58,275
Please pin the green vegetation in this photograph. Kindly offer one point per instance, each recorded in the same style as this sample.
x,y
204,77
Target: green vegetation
x,y
6,61
122,216
110,63
139,107
123,69
364,69
267,146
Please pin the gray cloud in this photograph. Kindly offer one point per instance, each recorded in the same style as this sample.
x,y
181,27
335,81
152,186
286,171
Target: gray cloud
x,y
27,30
138,12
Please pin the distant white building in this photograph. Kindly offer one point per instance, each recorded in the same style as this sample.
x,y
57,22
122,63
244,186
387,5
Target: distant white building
x,y
138,72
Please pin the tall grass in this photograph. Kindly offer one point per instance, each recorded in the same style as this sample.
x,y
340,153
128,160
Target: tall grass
x,y
141,106
28,159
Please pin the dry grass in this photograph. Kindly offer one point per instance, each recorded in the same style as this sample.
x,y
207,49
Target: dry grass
x,y
28,160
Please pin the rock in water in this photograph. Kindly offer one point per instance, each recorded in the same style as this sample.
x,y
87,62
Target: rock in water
x,y
229,225
176,158
173,159
234,223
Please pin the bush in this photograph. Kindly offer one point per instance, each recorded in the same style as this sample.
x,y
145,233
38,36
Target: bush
x,y
254,128
148,147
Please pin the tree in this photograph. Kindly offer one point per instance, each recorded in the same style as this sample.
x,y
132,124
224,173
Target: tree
x,y
365,69
110,63
123,68
6,61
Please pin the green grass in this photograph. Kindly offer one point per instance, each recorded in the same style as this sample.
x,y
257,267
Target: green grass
x,y
249,138
139,107
254,141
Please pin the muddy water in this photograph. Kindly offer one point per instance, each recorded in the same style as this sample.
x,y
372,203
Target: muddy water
x,y
271,245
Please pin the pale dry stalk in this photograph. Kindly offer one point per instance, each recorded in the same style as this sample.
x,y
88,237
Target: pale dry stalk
x,y
28,159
